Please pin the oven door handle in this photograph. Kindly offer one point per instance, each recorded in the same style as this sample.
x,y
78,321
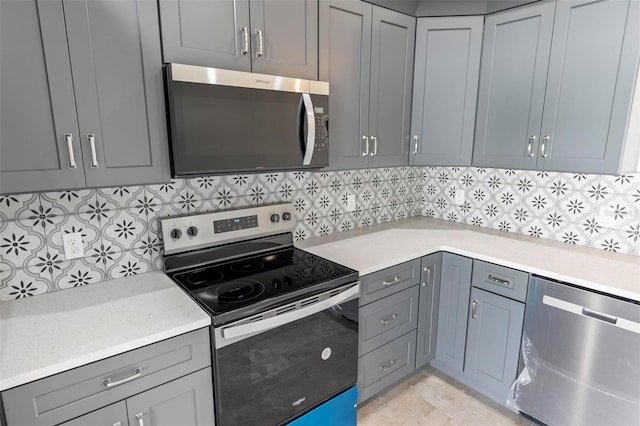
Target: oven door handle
x,y
289,317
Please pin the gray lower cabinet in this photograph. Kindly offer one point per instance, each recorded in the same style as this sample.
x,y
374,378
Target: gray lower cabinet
x,y
388,318
82,98
172,375
277,37
431,269
493,343
538,104
111,415
184,401
445,89
366,54
455,287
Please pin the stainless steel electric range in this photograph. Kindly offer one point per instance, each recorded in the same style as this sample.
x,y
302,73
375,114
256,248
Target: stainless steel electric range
x,y
284,328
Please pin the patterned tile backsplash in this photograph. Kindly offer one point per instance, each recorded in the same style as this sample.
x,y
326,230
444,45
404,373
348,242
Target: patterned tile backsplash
x,y
120,226
121,231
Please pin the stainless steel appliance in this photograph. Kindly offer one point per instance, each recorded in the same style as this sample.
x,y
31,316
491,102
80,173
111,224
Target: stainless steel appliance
x,y
581,354
284,328
230,121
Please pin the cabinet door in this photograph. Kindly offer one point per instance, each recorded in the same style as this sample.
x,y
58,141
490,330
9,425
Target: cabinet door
x,y
345,61
445,90
36,100
187,401
455,285
428,309
592,72
207,33
111,415
288,44
493,343
117,75
513,72
392,48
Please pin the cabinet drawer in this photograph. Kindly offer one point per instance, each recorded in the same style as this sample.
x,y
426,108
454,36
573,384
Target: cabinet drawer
x,y
385,365
501,280
67,395
114,414
388,281
388,318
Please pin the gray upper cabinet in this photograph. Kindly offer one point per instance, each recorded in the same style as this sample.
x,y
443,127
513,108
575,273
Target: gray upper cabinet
x,y
277,37
592,72
209,34
556,94
455,287
428,308
37,102
366,54
513,73
96,120
445,88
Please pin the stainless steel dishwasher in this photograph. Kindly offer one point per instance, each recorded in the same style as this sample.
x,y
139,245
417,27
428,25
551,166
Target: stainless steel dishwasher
x,y
581,356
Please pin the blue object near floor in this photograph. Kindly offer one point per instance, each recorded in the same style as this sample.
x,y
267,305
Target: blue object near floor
x,y
338,411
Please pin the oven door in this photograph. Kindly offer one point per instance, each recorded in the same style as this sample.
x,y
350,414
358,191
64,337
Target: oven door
x,y
275,366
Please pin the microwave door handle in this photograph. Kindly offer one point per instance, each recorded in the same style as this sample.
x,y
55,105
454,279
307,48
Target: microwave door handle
x,y
311,130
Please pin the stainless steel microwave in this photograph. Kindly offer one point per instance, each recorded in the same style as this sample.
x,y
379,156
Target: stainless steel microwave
x,y
224,121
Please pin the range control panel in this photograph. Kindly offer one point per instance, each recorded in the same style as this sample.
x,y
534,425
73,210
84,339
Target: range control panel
x,y
185,233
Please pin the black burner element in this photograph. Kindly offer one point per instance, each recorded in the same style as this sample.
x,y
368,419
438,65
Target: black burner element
x,y
204,276
238,291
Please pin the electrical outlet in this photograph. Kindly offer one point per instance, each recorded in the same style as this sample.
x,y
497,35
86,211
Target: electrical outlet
x,y
459,199
607,217
73,247
351,202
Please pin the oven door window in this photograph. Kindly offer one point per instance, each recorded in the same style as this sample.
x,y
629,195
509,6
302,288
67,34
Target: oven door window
x,y
272,377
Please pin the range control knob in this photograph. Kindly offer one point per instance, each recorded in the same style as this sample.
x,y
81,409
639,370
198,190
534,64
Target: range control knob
x,y
192,231
275,218
286,216
175,233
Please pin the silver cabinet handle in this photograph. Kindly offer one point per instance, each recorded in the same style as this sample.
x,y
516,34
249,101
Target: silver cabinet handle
x,y
393,281
416,139
473,309
137,372
311,129
392,318
260,51
543,146
498,280
599,315
245,34
428,271
72,159
140,418
387,365
366,144
375,145
532,139
94,159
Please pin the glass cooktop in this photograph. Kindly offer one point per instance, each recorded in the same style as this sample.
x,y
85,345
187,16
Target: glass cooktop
x,y
256,281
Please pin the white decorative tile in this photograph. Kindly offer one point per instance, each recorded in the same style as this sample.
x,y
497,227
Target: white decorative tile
x,y
613,241
69,202
542,178
298,178
301,232
121,196
21,243
536,228
127,265
240,182
507,198
45,217
453,214
312,188
571,234
17,206
504,223
99,211
402,212
124,230
476,219
78,272
167,191
622,184
346,224
257,193
205,187
24,283
160,211
467,180
508,176
312,218
576,207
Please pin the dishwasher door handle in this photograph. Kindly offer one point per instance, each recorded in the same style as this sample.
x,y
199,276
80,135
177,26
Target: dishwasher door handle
x,y
583,311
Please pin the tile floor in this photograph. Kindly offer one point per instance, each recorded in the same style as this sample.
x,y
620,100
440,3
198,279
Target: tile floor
x,y
431,398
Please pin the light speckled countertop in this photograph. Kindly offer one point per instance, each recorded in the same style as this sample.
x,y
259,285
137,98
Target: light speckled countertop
x,y
374,248
48,334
